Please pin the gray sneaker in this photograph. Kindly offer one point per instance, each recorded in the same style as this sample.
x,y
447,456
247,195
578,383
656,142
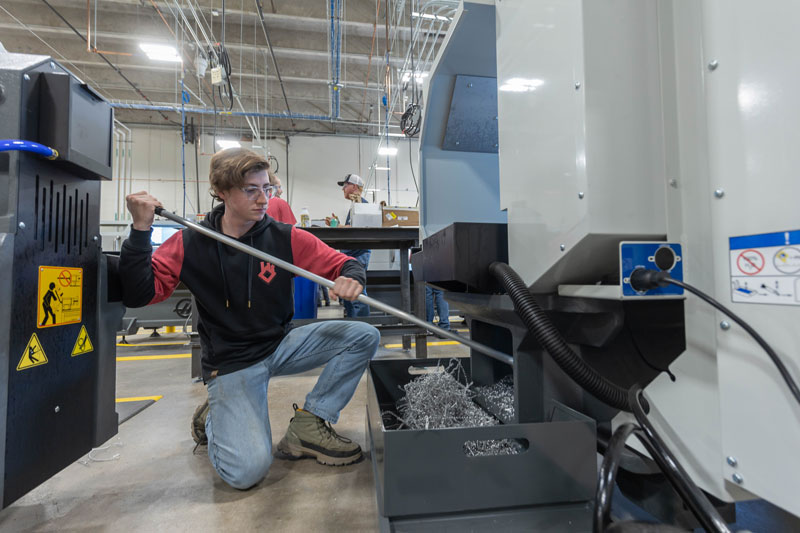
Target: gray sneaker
x,y
310,436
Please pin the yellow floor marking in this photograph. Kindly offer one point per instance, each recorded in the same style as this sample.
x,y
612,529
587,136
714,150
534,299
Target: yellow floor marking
x,y
155,357
430,343
139,399
153,344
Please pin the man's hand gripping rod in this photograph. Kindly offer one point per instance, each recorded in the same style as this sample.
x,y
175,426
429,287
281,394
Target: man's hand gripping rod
x,y
500,356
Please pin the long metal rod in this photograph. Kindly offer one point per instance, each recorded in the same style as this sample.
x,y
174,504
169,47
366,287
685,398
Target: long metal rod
x,y
258,254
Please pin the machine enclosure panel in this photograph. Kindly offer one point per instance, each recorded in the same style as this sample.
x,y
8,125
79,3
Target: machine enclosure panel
x,y
55,411
581,152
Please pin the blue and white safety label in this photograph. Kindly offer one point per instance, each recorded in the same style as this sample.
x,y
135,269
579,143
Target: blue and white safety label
x,y
765,269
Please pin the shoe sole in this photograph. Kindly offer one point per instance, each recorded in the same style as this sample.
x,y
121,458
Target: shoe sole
x,y
295,451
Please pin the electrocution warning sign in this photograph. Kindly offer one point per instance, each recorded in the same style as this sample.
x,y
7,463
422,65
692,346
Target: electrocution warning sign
x,y
765,269
60,296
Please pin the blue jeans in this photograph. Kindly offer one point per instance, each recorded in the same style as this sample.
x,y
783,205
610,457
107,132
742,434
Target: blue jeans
x,y
237,427
354,309
435,296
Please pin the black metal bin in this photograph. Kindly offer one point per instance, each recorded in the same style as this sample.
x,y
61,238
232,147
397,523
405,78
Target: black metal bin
x,y
422,472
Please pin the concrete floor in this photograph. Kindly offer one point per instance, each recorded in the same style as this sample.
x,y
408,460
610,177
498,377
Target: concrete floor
x,y
149,479
156,483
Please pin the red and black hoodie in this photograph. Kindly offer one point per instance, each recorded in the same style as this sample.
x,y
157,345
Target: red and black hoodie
x,y
245,306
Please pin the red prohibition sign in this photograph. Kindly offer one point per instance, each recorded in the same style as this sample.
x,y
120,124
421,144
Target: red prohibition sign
x,y
65,277
750,262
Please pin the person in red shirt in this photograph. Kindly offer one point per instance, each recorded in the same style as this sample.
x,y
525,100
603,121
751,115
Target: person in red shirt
x,y
278,208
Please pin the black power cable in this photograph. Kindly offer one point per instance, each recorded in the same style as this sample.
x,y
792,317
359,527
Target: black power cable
x,y
411,166
411,120
549,338
225,90
644,279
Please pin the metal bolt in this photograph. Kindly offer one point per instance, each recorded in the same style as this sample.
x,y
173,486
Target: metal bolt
x,y
719,193
57,409
52,64
577,85
673,183
95,238
580,195
496,118
737,477
732,461
21,225
26,77
496,145
457,143
563,247
725,325
713,64
469,85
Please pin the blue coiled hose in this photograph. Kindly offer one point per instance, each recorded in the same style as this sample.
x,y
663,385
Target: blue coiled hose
x,y
7,145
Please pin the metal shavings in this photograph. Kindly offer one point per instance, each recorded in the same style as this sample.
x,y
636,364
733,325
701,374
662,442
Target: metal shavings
x,y
499,398
440,400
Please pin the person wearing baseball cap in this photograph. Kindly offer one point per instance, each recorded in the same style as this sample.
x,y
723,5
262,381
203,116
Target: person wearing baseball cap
x,y
352,187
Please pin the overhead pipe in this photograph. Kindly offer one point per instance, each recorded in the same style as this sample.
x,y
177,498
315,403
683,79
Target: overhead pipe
x,y
117,162
124,171
176,109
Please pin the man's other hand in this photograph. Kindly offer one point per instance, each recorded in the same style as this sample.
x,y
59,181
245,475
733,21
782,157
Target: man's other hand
x,y
143,209
346,288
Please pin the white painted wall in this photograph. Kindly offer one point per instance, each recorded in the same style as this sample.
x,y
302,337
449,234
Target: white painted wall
x,y
316,163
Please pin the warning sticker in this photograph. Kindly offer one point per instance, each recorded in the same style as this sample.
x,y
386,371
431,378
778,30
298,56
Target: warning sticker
x,y
60,295
82,344
765,269
33,355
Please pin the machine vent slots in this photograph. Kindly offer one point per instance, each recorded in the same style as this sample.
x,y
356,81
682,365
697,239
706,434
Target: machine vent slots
x,y
55,219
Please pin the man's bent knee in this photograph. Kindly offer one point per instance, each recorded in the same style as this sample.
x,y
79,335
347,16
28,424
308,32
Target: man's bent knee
x,y
247,474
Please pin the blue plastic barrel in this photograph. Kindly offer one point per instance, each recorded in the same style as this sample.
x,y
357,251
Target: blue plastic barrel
x,y
305,298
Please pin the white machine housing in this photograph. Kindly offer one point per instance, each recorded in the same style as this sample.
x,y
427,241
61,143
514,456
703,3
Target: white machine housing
x,y
666,119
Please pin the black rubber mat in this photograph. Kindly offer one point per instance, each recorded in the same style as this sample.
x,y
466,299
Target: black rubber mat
x,y
127,410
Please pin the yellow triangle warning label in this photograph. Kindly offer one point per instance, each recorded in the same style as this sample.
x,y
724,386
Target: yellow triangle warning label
x,y
83,344
33,354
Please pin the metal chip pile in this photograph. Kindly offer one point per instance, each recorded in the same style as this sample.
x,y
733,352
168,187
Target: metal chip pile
x,y
439,400
499,398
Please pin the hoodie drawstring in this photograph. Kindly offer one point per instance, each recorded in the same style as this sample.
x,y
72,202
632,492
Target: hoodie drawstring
x,y
250,275
222,270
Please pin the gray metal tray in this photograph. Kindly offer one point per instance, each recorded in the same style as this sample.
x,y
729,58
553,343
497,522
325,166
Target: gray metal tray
x,y
419,472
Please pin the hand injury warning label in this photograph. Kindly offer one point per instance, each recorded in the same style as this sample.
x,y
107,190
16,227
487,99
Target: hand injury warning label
x,y
60,296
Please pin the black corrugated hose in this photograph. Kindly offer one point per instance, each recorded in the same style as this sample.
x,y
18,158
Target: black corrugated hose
x,y
551,340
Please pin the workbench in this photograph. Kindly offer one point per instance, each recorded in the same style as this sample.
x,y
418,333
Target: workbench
x,y
389,238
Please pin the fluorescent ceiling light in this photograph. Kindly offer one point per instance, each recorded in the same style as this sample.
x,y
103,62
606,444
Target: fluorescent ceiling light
x,y
431,16
521,85
161,52
226,143
406,76
387,150
396,134
382,168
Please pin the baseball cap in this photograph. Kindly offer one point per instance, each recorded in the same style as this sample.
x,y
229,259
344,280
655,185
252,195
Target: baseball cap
x,y
351,178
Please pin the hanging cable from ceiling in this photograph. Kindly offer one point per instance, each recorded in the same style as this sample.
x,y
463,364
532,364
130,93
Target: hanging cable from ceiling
x,y
274,61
